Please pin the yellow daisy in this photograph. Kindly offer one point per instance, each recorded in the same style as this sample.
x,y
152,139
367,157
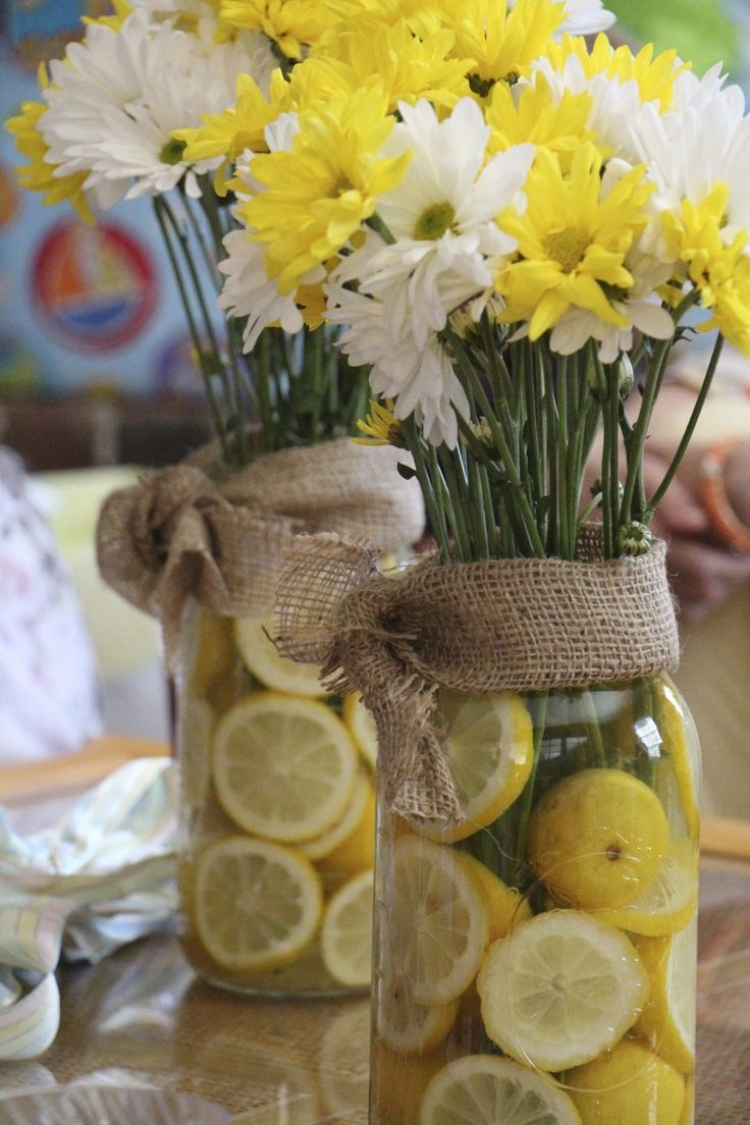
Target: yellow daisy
x,y
291,24
693,235
381,426
320,192
654,75
538,117
572,241
39,175
122,10
408,66
231,132
727,290
502,42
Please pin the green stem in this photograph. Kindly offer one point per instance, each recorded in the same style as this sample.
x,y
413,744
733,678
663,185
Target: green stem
x,y
527,523
654,379
526,801
688,433
433,504
210,367
598,756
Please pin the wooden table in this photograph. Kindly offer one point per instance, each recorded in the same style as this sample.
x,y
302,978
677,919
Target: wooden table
x,y
141,1014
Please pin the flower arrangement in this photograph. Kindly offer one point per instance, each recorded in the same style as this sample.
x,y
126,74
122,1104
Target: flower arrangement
x,y
509,225
512,226
104,132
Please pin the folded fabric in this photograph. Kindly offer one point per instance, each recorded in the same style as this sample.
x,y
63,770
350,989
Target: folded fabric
x,y
104,876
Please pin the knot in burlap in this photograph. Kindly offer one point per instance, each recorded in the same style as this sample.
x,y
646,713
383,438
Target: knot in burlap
x,y
511,624
196,531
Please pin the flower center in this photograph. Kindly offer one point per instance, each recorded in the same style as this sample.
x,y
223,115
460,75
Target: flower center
x,y
434,221
567,247
172,152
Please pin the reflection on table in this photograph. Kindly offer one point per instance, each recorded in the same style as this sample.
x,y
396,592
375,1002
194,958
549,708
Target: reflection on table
x,y
142,1016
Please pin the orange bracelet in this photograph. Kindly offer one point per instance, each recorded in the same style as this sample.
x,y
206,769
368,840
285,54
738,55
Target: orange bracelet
x,y
713,496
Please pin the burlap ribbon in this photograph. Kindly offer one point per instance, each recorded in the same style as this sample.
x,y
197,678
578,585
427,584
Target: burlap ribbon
x,y
193,530
511,624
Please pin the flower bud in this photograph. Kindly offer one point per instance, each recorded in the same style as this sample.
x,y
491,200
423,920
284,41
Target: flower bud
x,y
625,376
634,538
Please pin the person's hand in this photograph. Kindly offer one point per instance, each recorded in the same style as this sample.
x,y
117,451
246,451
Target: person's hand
x,y
703,571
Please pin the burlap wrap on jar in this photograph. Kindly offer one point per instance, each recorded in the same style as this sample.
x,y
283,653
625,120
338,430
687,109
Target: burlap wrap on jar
x,y
197,530
509,624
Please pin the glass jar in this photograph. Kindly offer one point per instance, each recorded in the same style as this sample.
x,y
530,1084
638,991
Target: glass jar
x,y
277,817
536,961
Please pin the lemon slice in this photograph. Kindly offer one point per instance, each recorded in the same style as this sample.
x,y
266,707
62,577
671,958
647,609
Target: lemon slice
x,y
284,767
486,1090
252,636
668,1019
489,750
402,1023
438,921
350,842
344,1060
598,839
678,736
355,853
627,1086
346,934
257,904
560,989
670,902
362,726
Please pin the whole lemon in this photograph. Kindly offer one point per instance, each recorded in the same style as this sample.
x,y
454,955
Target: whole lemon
x,y
598,838
628,1085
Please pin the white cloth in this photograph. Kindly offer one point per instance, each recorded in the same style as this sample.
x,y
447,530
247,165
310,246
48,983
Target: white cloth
x,y
49,696
104,876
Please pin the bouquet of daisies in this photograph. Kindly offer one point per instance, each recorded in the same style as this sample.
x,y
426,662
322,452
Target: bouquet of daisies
x,y
509,224
107,129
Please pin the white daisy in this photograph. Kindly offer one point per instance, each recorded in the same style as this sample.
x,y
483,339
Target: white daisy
x,y
585,17
442,215
614,103
582,17
118,95
249,294
418,375
705,141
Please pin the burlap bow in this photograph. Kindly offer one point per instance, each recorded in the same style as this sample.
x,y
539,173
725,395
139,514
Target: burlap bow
x,y
193,530
510,624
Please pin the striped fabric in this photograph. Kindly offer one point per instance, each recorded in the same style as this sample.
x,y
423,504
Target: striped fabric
x,y
103,877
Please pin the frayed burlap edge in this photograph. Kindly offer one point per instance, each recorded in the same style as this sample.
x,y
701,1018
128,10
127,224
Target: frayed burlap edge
x,y
509,624
195,531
